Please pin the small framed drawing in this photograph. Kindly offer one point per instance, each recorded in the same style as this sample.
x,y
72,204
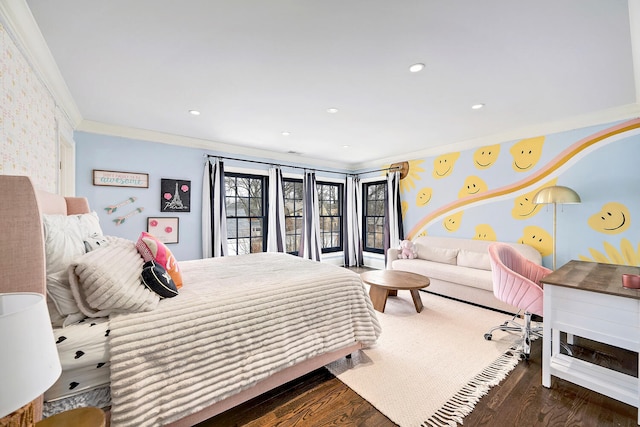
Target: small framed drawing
x,y
175,195
164,228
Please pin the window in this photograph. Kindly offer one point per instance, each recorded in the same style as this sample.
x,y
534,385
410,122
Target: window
x,y
246,216
330,209
373,194
292,214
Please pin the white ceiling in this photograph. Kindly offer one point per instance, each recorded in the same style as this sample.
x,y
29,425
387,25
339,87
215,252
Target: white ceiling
x,y
256,68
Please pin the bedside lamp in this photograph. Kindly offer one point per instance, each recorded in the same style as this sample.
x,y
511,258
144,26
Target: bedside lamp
x,y
29,362
555,194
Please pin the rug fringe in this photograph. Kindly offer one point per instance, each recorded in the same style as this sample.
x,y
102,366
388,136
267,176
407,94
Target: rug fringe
x,y
465,400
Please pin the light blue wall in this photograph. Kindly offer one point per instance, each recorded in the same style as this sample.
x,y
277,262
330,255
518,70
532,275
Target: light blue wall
x,y
159,160
603,172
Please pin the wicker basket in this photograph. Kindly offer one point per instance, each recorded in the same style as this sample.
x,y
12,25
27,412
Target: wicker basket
x,y
20,418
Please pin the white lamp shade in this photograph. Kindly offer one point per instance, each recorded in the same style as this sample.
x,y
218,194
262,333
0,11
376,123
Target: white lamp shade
x,y
29,362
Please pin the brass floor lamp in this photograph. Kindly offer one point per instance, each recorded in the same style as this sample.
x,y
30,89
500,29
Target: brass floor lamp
x,y
555,195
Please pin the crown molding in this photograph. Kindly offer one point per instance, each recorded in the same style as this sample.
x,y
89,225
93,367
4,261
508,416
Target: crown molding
x,y
625,112
90,126
19,22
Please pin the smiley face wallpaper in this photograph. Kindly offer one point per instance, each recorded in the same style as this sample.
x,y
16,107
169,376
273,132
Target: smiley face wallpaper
x,y
487,193
485,157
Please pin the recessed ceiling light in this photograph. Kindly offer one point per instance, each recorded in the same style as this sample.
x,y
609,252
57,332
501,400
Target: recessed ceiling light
x,y
345,146
285,133
416,68
194,112
477,106
332,110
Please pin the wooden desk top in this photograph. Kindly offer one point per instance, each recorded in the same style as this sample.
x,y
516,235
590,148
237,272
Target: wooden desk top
x,y
395,279
594,277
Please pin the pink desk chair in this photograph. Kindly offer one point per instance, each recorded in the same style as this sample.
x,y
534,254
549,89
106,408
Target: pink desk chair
x,y
516,281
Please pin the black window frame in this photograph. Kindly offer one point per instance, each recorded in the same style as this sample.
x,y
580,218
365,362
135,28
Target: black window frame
x,y
263,217
324,217
366,215
327,217
295,231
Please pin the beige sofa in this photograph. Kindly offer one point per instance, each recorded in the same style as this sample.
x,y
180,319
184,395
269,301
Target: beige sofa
x,y
457,268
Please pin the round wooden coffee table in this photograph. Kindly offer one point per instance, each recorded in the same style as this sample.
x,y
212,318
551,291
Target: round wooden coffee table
x,y
388,282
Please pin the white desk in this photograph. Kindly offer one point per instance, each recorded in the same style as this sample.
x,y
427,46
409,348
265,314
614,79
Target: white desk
x,y
587,300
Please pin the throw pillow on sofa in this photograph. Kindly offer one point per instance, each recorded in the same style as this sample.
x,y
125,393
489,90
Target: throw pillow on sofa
x,y
445,256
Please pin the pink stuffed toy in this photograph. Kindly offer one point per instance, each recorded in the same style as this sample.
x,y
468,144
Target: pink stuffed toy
x,y
407,250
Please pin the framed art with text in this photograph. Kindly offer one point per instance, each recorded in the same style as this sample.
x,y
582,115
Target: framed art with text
x,y
164,228
175,195
120,179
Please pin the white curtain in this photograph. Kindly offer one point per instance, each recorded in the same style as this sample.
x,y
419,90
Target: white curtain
x,y
352,241
214,213
276,228
393,231
310,239
207,242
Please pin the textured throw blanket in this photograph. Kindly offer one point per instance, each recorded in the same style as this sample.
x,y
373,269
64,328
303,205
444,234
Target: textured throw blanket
x,y
236,321
107,280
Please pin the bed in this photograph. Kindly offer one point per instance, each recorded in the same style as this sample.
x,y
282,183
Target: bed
x,y
238,327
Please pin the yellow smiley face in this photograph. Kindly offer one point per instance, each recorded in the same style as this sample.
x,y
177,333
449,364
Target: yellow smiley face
x,y
537,237
485,157
613,218
523,206
472,185
485,232
424,196
526,153
443,165
452,222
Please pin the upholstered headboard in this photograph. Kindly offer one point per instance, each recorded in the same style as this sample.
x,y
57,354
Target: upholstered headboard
x,y
22,261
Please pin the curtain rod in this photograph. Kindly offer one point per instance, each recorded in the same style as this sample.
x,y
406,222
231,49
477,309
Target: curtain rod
x,y
397,168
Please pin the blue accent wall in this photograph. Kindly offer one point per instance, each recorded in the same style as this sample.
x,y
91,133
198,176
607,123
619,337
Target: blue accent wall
x,y
600,163
103,152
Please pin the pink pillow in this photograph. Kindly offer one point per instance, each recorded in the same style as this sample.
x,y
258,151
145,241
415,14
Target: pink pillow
x,y
153,249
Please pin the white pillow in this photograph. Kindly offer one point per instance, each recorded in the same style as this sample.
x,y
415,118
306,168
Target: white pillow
x,y
64,242
445,256
472,259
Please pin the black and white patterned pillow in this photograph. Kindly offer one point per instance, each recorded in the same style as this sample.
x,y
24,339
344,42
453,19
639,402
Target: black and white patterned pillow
x,y
95,241
156,279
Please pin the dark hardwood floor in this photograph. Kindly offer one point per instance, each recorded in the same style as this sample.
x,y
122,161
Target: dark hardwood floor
x,y
320,399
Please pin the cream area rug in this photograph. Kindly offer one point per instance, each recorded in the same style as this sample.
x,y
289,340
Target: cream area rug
x,y
431,368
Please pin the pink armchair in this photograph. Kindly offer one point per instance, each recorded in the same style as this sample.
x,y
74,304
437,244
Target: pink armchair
x,y
516,281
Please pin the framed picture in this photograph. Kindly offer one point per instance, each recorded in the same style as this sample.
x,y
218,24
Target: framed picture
x,y
120,179
175,195
164,228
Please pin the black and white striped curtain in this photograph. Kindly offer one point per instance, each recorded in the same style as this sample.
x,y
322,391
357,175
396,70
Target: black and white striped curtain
x,y
310,237
276,228
393,230
214,213
352,240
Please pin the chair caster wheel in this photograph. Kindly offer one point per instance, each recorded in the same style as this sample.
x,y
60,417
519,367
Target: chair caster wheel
x,y
487,337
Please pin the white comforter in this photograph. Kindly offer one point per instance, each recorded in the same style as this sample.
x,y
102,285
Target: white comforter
x,y
236,321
